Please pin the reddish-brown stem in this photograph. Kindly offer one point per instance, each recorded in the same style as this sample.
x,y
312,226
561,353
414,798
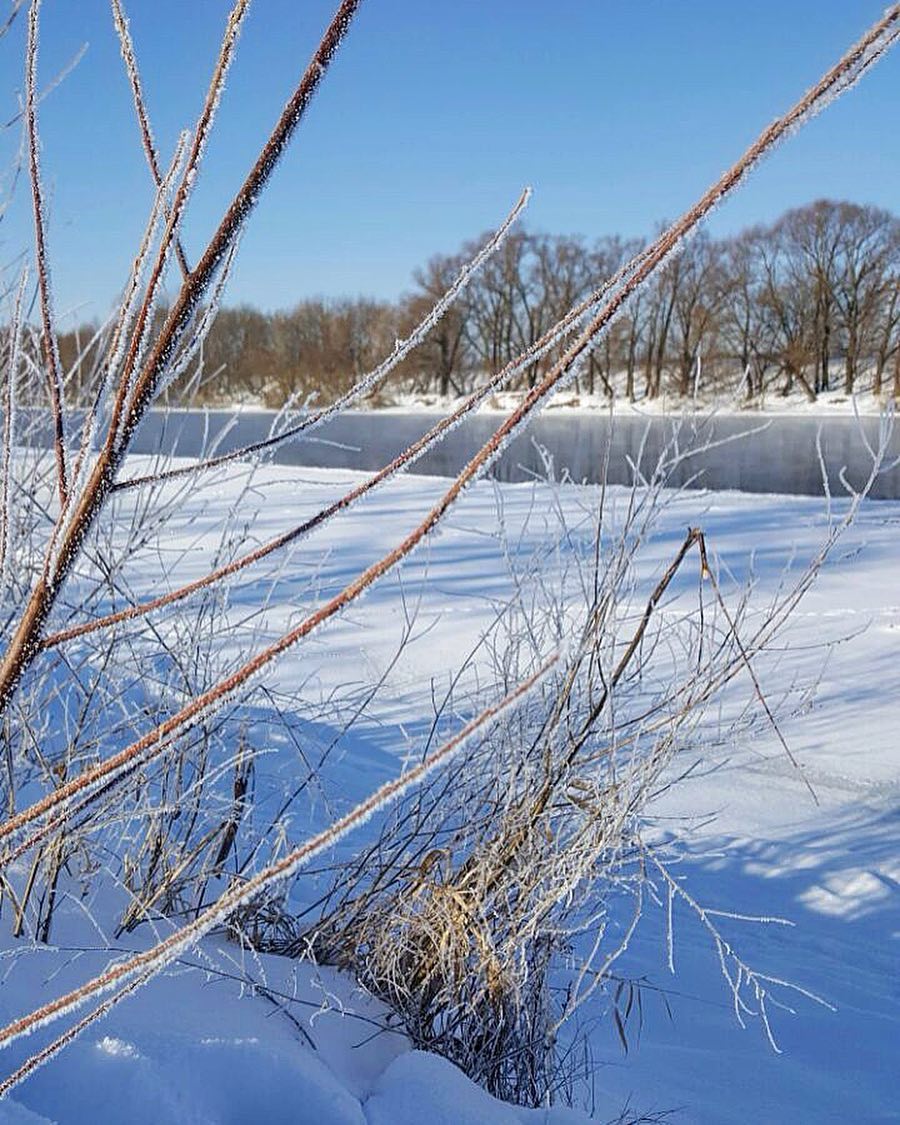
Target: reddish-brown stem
x,y
193,289
24,644
49,347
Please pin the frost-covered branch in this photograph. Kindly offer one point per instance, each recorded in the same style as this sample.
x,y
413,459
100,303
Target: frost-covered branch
x,y
140,106
49,345
364,386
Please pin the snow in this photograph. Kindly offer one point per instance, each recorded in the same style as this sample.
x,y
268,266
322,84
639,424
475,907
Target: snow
x,y
202,1045
721,398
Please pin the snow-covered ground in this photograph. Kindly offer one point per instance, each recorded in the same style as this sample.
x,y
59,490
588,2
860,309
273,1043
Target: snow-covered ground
x,y
198,1046
724,398
826,404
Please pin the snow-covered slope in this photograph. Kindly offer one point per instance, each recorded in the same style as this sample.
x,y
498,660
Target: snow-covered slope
x,y
198,1045
196,1048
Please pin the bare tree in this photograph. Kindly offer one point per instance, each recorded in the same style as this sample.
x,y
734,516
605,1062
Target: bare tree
x,y
868,251
887,334
445,355
698,299
747,331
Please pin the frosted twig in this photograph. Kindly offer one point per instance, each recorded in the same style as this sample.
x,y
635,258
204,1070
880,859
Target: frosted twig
x,y
45,1054
136,391
140,105
60,76
15,8
49,345
9,419
736,972
128,310
132,399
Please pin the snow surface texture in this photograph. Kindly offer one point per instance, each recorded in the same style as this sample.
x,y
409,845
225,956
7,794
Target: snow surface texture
x,y
199,1046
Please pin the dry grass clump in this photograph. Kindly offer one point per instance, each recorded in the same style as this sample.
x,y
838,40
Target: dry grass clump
x,y
496,899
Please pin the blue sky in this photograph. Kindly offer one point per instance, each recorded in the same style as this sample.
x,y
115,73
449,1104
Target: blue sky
x,y
433,118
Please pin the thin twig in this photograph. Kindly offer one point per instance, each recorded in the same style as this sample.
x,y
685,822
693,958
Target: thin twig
x,y
49,344
140,105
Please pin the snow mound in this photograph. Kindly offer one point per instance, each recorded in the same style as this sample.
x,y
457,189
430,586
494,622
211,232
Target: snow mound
x,y
417,1080
177,1080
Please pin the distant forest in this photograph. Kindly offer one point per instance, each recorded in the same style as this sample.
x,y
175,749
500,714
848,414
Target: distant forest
x,y
809,303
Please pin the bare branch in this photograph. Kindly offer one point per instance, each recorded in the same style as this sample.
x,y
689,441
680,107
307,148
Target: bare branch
x,y
140,105
48,327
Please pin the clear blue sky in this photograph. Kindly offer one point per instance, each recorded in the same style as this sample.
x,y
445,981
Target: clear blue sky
x,y
433,118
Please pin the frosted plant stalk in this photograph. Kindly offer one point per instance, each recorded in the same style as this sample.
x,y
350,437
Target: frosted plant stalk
x,y
9,429
49,344
134,77
207,319
136,396
131,298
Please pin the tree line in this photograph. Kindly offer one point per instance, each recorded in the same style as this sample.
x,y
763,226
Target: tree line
x,y
810,302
